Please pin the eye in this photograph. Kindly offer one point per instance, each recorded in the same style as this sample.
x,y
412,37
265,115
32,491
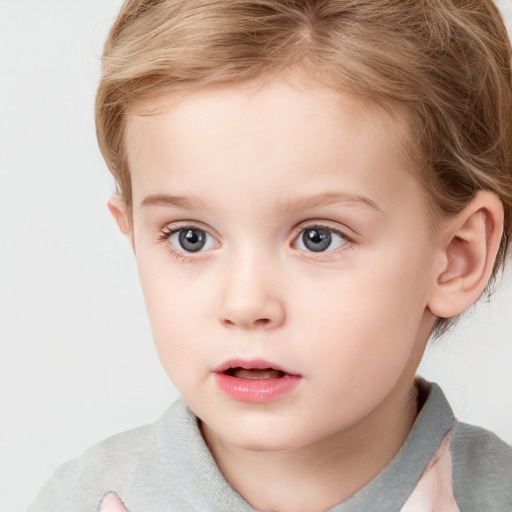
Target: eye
x,y
191,239
320,239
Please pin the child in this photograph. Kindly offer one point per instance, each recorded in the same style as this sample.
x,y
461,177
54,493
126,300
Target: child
x,y
311,189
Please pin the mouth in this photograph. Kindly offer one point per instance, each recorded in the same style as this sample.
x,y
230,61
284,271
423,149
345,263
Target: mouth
x,y
257,369
255,373
255,381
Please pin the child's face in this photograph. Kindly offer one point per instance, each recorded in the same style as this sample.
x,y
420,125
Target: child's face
x,y
280,227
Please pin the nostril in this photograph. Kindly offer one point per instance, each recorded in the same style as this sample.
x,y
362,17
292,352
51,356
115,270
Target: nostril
x,y
262,322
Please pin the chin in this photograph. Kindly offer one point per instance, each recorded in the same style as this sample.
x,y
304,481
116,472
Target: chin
x,y
267,445
263,439
260,430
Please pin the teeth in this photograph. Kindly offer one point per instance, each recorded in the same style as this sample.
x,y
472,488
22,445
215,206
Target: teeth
x,y
255,373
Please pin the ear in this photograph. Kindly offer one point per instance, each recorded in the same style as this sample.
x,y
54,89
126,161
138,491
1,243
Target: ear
x,y
469,243
117,208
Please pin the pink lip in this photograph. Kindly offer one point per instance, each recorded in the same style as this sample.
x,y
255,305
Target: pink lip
x,y
255,390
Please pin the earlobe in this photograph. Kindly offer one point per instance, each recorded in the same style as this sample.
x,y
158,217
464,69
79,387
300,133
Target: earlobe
x,y
469,245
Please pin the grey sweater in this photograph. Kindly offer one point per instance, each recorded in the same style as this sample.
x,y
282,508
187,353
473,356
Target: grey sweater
x,y
166,466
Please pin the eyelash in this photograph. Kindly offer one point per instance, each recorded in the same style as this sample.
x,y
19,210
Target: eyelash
x,y
166,234
184,256
324,256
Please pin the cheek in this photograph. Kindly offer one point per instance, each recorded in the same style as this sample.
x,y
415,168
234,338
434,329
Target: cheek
x,y
174,328
169,303
368,319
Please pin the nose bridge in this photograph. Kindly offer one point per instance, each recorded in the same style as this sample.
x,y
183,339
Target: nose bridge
x,y
250,297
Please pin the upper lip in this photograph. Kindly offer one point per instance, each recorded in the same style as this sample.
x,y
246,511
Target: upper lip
x,y
248,364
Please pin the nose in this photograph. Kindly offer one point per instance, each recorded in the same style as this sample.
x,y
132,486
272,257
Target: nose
x,y
251,297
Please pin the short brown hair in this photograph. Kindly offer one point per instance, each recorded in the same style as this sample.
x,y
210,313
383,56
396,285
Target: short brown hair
x,y
448,62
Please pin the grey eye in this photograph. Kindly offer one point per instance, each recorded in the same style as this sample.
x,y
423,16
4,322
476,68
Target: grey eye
x,y
191,240
317,239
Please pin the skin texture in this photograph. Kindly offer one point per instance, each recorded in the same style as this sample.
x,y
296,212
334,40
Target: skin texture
x,y
253,167
434,492
111,503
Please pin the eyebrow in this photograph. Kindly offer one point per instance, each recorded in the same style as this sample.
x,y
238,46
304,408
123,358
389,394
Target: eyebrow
x,y
296,204
184,202
327,199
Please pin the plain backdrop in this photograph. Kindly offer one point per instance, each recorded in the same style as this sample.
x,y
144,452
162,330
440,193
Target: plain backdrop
x,y
76,357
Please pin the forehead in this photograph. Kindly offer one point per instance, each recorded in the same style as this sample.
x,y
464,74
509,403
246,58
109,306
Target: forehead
x,y
254,103
278,135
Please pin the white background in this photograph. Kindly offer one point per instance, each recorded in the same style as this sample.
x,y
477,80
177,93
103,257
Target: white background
x,y
76,356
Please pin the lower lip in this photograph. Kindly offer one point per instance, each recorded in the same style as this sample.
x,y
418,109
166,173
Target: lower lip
x,y
256,391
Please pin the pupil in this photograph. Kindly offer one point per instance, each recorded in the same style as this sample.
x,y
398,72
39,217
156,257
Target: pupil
x,y
192,240
317,239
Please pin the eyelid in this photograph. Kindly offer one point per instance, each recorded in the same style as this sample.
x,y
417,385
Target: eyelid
x,y
171,229
321,225
175,240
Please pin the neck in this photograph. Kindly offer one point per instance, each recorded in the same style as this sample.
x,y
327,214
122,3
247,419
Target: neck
x,y
320,475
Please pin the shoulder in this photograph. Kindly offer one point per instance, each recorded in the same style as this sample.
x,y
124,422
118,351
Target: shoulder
x,y
482,469
122,463
149,468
